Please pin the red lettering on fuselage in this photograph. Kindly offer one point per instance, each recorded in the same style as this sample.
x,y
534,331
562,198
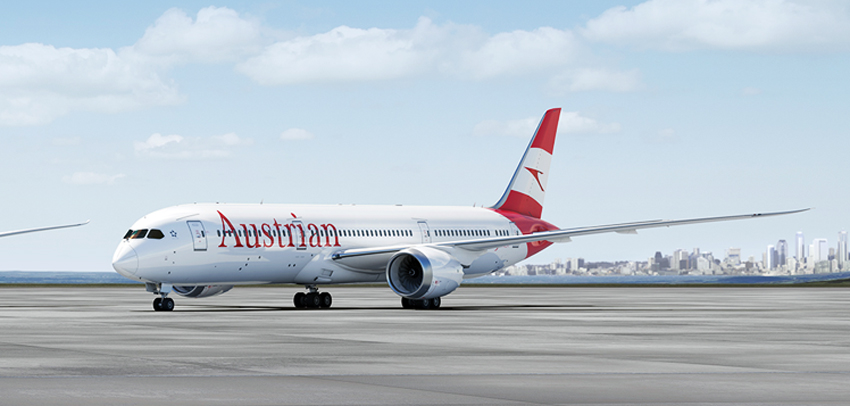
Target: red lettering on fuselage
x,y
267,233
279,234
225,231
315,240
327,228
294,231
248,236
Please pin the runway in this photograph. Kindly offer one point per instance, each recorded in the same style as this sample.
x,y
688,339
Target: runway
x,y
487,346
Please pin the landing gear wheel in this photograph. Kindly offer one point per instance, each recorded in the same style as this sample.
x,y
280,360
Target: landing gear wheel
x,y
424,304
157,304
167,304
298,300
406,303
325,300
312,300
436,302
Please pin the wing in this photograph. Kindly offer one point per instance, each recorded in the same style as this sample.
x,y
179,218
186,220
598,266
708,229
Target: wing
x,y
32,230
371,257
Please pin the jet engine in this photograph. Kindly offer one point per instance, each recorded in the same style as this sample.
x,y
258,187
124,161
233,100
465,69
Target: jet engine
x,y
423,273
201,291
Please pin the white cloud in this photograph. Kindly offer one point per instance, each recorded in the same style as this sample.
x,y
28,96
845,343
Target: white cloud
x,y
156,141
217,34
178,147
346,54
39,83
596,79
521,52
677,25
294,134
570,122
91,178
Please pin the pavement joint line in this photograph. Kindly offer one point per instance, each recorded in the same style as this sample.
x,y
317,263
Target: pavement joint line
x,y
425,375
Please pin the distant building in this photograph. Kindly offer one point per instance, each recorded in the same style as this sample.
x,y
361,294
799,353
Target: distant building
x,y
733,256
770,257
842,250
801,247
781,253
819,250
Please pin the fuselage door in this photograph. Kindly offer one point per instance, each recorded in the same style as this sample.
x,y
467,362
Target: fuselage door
x,y
426,232
199,236
297,231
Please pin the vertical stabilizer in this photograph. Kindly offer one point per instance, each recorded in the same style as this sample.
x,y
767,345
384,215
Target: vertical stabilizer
x,y
528,186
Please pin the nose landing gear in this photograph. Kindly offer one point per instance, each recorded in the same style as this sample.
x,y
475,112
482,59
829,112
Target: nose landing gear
x,y
162,303
165,304
312,299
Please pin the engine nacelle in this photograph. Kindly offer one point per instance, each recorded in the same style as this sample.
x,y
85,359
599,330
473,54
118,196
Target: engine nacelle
x,y
201,291
423,273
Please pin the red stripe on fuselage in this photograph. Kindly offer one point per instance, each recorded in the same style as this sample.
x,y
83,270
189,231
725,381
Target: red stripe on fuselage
x,y
528,225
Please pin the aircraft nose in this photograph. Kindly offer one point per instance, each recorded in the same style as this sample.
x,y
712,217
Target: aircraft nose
x,y
125,261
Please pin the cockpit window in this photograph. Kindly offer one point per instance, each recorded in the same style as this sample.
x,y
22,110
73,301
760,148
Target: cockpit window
x,y
139,233
129,233
156,234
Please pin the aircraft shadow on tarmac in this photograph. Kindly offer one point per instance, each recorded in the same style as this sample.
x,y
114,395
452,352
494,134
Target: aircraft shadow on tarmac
x,y
220,309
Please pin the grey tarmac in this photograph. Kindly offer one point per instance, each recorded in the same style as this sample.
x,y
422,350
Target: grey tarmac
x,y
486,346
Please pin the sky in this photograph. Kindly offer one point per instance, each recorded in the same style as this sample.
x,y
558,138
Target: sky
x,y
671,109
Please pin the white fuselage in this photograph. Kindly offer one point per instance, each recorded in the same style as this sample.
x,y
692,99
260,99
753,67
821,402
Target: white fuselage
x,y
231,244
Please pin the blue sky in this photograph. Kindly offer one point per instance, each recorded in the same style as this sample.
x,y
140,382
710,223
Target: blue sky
x,y
672,109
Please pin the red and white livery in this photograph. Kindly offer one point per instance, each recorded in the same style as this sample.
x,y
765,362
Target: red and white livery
x,y
423,253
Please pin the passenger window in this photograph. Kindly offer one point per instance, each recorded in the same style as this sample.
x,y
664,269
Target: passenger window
x,y
156,234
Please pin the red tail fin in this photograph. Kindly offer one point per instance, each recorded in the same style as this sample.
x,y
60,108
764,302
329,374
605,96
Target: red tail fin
x,y
525,193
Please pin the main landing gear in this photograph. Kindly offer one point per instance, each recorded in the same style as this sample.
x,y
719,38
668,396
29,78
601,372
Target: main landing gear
x,y
422,304
312,299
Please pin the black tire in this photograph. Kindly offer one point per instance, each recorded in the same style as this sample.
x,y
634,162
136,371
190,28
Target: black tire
x,y
312,300
298,300
406,303
424,304
168,304
436,302
325,300
157,304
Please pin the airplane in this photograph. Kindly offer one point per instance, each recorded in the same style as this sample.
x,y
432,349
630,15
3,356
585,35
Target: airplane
x,y
32,230
423,253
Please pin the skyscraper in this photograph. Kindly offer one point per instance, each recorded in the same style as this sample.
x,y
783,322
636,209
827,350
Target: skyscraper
x,y
801,247
842,249
770,257
781,252
818,250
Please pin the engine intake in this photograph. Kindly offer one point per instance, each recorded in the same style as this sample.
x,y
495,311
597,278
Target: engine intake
x,y
201,291
423,273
